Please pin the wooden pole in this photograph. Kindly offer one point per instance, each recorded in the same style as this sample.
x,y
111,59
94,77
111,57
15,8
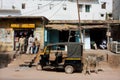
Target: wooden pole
x,y
108,36
79,25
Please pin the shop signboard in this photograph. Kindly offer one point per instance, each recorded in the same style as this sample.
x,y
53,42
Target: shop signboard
x,y
22,25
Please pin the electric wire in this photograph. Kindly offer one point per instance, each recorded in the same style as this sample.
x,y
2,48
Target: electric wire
x,y
45,10
37,9
57,11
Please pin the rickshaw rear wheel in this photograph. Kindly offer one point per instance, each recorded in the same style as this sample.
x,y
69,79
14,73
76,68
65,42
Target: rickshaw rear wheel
x,y
69,69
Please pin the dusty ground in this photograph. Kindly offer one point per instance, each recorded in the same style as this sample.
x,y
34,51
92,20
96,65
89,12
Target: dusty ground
x,y
14,72
25,73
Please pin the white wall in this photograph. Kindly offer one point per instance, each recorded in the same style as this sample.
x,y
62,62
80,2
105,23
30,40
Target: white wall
x,y
57,12
93,14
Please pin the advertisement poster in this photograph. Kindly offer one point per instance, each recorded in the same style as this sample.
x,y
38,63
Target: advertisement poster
x,y
5,35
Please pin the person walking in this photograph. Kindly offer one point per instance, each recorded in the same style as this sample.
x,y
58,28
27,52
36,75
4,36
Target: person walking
x,y
30,45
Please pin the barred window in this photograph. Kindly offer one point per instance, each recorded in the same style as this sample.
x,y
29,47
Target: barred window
x,y
87,8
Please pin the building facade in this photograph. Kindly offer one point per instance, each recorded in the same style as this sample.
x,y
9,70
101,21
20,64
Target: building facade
x,y
65,10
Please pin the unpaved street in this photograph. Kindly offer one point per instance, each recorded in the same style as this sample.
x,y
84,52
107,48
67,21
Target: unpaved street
x,y
25,73
14,72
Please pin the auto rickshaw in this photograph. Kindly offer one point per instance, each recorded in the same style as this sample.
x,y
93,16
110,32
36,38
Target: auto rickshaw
x,y
61,55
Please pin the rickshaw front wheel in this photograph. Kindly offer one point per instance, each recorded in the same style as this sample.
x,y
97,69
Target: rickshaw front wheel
x,y
69,69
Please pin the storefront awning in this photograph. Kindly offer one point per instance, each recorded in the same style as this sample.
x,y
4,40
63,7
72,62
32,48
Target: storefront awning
x,y
94,26
72,27
61,26
23,18
8,12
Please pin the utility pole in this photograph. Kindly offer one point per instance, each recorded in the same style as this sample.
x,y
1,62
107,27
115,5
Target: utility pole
x,y
108,34
79,25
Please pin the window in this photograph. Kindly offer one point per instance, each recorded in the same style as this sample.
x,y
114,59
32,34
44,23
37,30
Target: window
x,y
13,7
110,15
103,6
39,6
23,5
64,6
87,8
51,6
102,15
80,7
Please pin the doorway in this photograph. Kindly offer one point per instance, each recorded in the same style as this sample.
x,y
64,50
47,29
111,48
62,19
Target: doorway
x,y
64,36
98,35
21,32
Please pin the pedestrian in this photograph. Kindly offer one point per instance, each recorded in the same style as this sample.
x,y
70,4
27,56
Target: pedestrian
x,y
30,45
36,46
21,42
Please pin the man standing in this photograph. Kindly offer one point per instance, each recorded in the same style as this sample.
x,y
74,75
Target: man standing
x,y
30,44
22,42
37,45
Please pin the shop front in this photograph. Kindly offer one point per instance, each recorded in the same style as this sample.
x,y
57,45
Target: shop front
x,y
12,28
61,33
69,33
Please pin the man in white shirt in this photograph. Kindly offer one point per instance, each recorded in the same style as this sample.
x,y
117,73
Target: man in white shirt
x,y
30,44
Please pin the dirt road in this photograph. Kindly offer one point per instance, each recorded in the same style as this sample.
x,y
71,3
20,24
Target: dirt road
x,y
25,73
14,72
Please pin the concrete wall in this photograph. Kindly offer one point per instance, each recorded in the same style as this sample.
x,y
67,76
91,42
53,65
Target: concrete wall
x,y
39,34
56,12
6,39
116,9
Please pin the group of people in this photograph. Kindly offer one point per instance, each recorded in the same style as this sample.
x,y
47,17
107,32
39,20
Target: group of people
x,y
33,45
28,46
